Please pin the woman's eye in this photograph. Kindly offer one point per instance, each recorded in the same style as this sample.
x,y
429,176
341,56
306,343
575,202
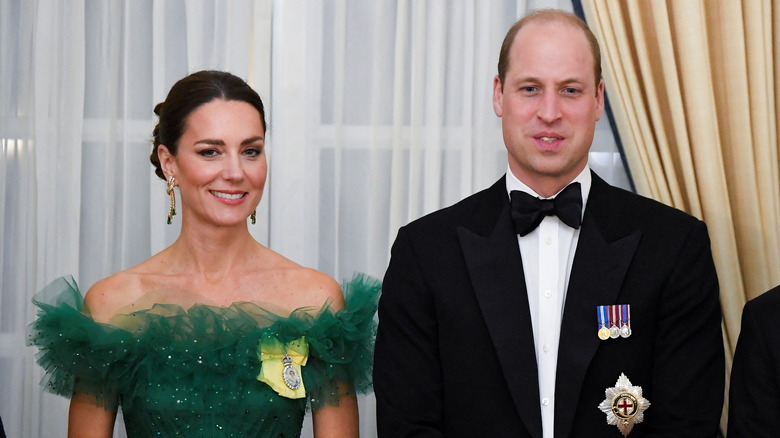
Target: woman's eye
x,y
208,152
253,152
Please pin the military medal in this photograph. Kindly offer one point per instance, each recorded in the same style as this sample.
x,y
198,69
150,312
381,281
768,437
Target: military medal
x,y
614,331
601,314
625,320
290,374
624,405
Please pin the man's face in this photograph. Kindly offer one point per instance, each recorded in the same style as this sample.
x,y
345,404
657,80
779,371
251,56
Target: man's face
x,y
549,105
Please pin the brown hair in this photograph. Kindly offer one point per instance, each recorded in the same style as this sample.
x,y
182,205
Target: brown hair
x,y
547,16
186,96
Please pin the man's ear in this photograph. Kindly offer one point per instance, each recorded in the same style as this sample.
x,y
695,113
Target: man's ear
x,y
600,100
167,161
498,96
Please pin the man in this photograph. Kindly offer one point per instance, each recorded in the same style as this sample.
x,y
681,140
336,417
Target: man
x,y
488,325
754,400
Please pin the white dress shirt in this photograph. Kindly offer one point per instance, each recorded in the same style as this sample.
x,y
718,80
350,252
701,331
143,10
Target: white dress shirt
x,y
548,252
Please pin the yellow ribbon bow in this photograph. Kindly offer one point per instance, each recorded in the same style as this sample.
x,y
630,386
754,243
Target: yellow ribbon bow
x,y
281,365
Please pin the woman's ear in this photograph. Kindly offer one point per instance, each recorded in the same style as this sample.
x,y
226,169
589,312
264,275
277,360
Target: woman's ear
x,y
167,161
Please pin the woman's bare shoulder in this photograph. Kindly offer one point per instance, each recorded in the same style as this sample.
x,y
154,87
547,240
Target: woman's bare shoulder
x,y
315,288
116,292
297,286
112,293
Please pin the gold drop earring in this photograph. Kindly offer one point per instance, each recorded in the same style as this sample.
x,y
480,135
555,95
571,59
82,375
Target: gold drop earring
x,y
253,216
170,184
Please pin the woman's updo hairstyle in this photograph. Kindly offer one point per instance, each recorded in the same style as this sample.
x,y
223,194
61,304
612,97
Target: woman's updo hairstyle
x,y
186,96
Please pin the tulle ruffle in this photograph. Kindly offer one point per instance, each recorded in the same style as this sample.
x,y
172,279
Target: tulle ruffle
x,y
202,361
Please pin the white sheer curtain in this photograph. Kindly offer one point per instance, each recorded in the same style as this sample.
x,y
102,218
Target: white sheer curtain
x,y
379,113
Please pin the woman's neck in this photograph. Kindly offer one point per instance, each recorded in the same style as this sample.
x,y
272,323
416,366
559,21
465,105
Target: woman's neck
x,y
213,251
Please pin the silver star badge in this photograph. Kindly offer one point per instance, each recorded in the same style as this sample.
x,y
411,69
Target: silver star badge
x,y
624,405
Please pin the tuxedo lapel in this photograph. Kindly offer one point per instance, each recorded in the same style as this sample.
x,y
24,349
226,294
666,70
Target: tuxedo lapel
x,y
495,268
604,253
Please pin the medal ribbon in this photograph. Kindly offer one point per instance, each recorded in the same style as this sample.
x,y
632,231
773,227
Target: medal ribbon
x,y
613,316
628,314
624,314
601,314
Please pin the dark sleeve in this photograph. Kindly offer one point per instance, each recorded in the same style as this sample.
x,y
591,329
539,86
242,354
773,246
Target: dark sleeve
x,y
689,363
407,376
754,400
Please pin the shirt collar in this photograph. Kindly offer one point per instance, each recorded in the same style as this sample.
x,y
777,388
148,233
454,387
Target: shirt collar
x,y
584,178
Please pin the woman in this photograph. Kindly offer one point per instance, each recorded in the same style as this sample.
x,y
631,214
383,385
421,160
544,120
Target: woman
x,y
216,335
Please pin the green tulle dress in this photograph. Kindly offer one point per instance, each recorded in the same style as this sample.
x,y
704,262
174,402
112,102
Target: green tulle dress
x,y
194,373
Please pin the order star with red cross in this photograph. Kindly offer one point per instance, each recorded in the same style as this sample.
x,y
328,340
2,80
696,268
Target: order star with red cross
x,y
624,405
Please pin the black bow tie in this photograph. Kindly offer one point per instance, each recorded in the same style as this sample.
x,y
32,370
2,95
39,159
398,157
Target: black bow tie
x,y
528,211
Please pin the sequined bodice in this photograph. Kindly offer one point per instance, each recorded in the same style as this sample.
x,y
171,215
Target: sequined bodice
x,y
209,389
206,412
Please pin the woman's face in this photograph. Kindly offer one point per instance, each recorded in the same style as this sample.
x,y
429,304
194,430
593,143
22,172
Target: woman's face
x,y
220,167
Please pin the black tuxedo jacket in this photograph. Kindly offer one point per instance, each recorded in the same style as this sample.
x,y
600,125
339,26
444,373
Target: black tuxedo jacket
x,y
455,351
754,396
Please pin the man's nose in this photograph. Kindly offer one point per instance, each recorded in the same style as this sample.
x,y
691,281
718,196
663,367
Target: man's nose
x,y
549,109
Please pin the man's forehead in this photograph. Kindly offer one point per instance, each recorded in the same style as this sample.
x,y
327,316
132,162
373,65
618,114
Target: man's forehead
x,y
532,40
546,26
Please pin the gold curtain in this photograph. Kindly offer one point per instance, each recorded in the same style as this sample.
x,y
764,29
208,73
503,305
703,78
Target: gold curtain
x,y
694,90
